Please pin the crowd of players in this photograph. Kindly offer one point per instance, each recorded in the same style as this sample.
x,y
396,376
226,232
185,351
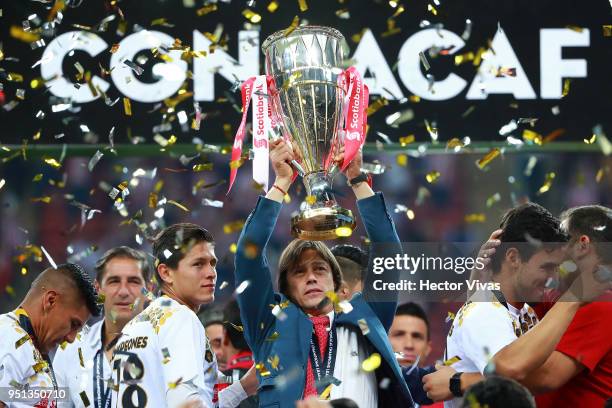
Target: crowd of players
x,y
317,342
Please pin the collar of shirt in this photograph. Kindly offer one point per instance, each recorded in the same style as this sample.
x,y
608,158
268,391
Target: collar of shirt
x,y
93,335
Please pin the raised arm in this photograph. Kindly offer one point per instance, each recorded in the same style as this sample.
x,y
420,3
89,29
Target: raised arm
x,y
380,229
251,263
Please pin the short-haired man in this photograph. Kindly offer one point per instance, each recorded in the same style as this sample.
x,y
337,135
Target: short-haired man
x,y
409,334
353,263
579,371
513,349
83,367
521,268
302,348
55,308
163,356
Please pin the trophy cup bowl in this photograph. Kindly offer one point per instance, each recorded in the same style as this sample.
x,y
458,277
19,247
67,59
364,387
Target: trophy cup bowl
x,y
308,102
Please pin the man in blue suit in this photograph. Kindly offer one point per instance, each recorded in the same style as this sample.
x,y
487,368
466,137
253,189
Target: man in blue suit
x,y
302,347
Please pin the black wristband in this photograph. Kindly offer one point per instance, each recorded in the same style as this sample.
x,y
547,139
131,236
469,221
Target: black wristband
x,y
455,385
359,179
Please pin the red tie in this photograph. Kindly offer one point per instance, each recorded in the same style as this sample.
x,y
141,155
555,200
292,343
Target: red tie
x,y
320,325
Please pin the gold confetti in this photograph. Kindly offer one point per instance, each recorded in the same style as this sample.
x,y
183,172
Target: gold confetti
x,y
174,384
24,270
26,36
391,29
233,248
2,183
406,140
289,81
311,199
303,5
38,367
81,360
432,10
592,140
600,175
45,199
495,198
127,106
451,361
251,251
274,336
84,398
371,363
274,361
363,325
461,58
273,6
165,355
202,167
252,16
574,28
484,162
263,371
607,30
410,214
432,176
233,226
401,160
294,24
22,341
472,218
206,9
454,143
532,137
343,232
179,205
376,105
53,162
566,87
547,183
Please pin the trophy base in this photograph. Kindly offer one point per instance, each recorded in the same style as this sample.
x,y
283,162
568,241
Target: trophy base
x,y
323,223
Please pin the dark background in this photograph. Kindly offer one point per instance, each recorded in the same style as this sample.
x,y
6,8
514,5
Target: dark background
x,y
587,104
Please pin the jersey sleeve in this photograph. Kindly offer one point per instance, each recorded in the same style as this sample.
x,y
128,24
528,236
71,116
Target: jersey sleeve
x,y
182,345
589,337
11,371
486,330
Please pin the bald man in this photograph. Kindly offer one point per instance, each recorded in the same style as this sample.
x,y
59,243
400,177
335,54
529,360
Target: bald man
x,y
55,308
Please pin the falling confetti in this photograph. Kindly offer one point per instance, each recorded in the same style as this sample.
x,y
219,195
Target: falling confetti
x,y
49,259
371,363
547,183
488,158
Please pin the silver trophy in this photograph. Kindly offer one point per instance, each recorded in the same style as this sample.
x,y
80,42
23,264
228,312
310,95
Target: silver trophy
x,y
308,102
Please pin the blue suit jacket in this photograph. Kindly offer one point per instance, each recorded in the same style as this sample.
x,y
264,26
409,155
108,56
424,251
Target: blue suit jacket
x,y
289,338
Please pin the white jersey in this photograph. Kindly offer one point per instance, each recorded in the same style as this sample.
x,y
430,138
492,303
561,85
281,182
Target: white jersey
x,y
163,359
82,368
482,328
23,368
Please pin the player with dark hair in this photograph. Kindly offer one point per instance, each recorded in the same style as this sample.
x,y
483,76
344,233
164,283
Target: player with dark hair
x,y
163,356
409,334
122,274
498,392
55,308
